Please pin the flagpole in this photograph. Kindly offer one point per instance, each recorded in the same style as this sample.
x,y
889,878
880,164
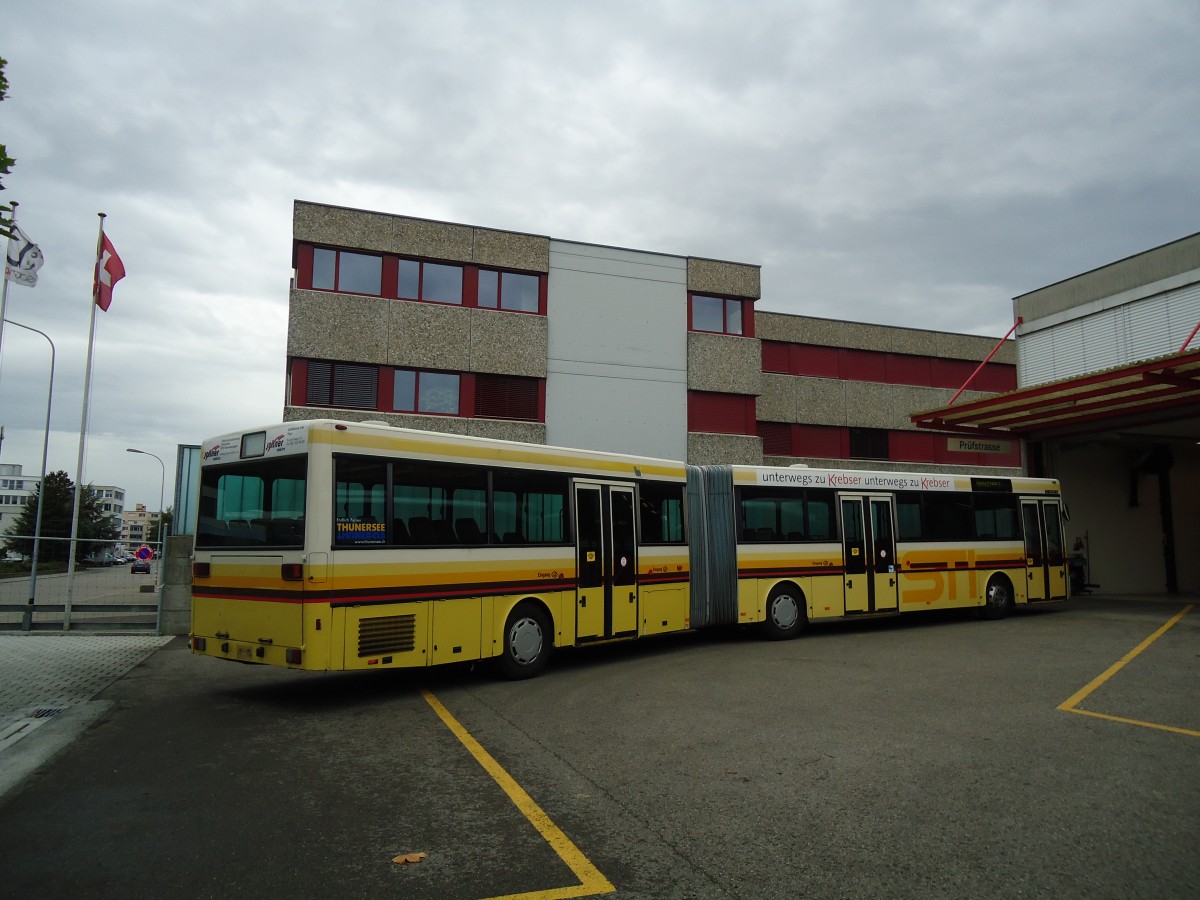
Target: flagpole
x,y
4,289
83,423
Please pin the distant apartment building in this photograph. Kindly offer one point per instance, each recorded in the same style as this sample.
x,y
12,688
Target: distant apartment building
x,y
110,500
138,526
15,490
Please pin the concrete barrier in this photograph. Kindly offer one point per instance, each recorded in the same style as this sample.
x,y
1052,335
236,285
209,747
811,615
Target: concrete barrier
x,y
175,609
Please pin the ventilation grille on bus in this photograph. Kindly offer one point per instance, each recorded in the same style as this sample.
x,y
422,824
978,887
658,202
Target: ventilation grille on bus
x,y
386,634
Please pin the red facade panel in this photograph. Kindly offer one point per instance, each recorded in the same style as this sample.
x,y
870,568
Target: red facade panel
x,y
951,373
775,357
818,362
826,441
996,377
862,365
910,446
903,368
299,379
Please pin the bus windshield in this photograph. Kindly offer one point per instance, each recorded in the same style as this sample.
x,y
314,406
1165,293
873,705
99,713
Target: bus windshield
x,y
253,504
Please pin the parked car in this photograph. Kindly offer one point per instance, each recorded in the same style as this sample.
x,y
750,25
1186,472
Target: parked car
x,y
140,566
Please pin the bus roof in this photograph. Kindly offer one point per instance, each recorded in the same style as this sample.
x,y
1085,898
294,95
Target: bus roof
x,y
290,438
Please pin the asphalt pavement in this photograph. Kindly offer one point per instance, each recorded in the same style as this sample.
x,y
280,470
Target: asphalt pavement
x,y
935,756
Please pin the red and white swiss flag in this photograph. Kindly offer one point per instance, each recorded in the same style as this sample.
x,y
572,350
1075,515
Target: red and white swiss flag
x,y
109,270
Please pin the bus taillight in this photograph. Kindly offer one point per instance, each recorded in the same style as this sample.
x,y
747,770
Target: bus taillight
x,y
292,657
292,571
200,570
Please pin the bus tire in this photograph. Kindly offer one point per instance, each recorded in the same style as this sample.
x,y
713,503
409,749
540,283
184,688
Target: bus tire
x,y
998,600
527,642
784,615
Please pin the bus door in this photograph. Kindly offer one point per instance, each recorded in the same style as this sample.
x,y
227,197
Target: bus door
x,y
1045,559
869,554
606,601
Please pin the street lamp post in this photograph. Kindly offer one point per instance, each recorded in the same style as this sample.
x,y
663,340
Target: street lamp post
x,y
161,495
27,618
162,541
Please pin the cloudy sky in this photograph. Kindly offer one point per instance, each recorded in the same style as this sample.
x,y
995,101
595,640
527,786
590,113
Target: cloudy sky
x,y
914,164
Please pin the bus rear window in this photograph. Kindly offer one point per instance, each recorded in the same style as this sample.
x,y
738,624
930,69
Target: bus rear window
x,y
253,504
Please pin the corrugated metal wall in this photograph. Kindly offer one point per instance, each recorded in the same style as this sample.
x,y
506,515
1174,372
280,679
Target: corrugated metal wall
x,y
1112,337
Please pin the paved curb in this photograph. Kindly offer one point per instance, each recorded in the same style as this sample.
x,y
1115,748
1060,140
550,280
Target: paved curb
x,y
27,751
47,686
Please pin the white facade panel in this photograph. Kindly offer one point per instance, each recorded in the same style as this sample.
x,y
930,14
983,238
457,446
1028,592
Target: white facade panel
x,y
620,415
1116,336
616,351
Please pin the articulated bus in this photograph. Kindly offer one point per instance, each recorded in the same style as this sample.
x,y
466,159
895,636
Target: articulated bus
x,y
328,545
819,544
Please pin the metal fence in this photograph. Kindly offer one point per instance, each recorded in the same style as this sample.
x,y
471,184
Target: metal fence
x,y
97,596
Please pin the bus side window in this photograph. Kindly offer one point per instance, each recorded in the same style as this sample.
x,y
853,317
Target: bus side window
x,y
908,516
421,529
443,532
819,510
399,531
468,531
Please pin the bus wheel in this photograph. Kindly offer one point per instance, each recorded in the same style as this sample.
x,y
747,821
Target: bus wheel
x,y
999,599
527,643
785,613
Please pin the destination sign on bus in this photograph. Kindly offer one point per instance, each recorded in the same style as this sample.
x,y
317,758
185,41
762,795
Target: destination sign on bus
x,y
861,481
253,445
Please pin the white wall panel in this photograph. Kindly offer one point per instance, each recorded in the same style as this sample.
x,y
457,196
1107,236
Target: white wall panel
x,y
617,350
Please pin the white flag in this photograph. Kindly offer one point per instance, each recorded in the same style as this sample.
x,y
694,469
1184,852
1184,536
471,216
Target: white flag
x,y
24,259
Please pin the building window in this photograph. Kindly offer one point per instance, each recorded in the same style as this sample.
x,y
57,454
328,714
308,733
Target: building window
x,y
431,282
868,443
416,391
512,291
352,273
776,438
342,384
506,397
434,393
327,269
717,413
719,315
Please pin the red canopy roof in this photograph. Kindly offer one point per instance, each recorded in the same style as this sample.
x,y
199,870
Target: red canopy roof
x,y
1144,393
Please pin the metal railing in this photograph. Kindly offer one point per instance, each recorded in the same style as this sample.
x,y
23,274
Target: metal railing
x,y
96,596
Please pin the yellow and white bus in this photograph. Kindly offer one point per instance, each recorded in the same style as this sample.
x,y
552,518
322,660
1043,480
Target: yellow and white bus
x,y
823,544
334,545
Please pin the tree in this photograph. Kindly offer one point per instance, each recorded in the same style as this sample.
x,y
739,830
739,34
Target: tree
x,y
163,527
96,530
6,164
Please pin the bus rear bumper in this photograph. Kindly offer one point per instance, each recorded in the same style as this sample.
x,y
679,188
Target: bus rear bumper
x,y
247,651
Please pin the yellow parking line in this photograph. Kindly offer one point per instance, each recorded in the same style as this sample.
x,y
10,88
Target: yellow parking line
x,y
1087,712
592,882
1072,702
